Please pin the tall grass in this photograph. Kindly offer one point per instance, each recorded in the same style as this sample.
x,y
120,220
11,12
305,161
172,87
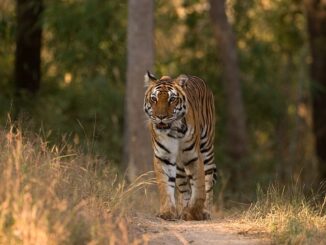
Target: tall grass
x,y
289,215
56,195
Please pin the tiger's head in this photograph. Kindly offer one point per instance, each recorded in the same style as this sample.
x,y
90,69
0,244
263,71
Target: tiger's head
x,y
165,101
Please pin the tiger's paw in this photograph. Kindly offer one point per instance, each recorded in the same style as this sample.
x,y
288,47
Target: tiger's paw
x,y
195,214
186,215
169,214
206,215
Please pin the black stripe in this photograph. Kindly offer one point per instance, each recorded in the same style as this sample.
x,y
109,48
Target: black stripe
x,y
162,146
202,137
172,136
189,148
165,161
209,155
215,176
210,171
183,184
180,176
208,159
191,161
202,144
180,169
206,150
182,191
211,163
183,128
171,179
210,189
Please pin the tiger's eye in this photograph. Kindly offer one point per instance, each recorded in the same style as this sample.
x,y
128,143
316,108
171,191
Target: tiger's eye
x,y
153,98
172,99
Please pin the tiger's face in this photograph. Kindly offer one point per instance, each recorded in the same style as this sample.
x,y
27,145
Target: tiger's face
x,y
164,102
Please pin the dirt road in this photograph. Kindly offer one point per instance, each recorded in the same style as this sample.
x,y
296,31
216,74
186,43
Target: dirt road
x,y
216,231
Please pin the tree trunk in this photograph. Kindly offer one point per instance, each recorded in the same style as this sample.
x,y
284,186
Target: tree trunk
x,y
137,147
27,73
236,122
316,18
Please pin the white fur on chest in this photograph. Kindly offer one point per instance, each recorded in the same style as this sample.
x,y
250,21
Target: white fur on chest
x,y
171,144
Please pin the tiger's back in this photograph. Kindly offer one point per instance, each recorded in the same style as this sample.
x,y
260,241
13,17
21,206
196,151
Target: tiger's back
x,y
182,123
201,100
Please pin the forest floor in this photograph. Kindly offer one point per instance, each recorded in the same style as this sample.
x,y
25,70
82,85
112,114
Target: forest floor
x,y
220,231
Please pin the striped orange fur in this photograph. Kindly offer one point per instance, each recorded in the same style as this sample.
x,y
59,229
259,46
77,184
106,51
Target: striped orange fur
x,y
182,125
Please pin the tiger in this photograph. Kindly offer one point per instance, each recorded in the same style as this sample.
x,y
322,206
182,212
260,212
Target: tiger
x,y
181,121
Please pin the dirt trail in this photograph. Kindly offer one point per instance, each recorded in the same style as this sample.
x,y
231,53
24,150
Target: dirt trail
x,y
216,231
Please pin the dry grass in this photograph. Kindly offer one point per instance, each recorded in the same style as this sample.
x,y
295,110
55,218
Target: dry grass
x,y
289,216
55,195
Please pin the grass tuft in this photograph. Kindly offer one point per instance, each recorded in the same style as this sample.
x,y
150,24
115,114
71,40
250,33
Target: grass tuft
x,y
289,215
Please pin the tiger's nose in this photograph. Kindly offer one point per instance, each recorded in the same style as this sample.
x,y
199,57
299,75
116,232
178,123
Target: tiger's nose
x,y
161,116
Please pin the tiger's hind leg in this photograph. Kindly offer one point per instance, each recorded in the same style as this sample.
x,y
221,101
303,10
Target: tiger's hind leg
x,y
210,176
210,179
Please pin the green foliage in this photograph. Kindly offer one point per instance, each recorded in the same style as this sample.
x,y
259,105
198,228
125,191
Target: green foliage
x,y
83,73
7,31
84,66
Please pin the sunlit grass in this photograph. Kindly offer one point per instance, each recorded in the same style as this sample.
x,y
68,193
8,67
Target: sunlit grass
x,y
57,195
289,215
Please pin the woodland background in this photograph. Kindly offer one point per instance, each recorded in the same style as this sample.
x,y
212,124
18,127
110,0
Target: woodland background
x,y
72,70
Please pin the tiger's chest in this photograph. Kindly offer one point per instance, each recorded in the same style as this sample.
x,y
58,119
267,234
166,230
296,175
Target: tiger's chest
x,y
169,144
178,130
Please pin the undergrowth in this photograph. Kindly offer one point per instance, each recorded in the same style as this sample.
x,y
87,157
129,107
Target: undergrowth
x,y
289,215
57,195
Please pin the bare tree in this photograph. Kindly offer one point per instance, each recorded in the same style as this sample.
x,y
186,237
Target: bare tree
x,y
237,146
316,16
28,46
137,148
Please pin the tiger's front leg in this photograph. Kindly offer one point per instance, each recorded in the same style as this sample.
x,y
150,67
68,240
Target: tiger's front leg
x,y
165,174
195,172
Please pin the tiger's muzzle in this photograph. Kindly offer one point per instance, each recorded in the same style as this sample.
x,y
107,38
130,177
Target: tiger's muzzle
x,y
163,126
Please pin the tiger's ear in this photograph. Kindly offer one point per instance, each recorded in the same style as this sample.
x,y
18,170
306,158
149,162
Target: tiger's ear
x,y
149,78
182,80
